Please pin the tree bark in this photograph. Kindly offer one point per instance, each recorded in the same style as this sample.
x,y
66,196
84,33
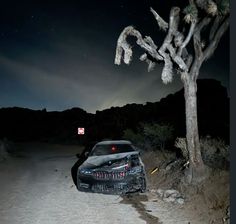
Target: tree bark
x,y
196,168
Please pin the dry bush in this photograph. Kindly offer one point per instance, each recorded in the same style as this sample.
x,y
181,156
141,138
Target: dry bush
x,y
180,143
215,153
150,135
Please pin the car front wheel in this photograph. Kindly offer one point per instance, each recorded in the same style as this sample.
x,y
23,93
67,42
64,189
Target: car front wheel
x,y
143,185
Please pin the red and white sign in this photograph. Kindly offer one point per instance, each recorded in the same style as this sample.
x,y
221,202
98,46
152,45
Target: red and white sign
x,y
80,131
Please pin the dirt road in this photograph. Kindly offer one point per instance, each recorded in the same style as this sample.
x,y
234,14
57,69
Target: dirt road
x,y
37,188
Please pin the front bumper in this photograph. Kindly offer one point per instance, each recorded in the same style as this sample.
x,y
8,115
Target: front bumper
x,y
130,183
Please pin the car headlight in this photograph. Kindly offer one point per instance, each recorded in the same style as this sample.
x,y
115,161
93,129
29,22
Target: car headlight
x,y
85,172
137,169
126,166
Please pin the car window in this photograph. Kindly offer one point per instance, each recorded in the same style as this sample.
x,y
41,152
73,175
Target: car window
x,y
101,150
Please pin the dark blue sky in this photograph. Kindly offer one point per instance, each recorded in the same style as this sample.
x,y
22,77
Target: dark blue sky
x,y
60,54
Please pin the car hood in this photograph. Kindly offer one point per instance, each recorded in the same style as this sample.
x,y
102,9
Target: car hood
x,y
96,161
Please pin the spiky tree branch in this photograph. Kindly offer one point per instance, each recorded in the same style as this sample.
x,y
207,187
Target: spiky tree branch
x,y
216,39
215,26
209,6
161,22
203,23
124,50
188,38
178,54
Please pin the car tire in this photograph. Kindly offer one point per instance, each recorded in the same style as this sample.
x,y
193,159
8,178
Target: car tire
x,y
77,183
143,184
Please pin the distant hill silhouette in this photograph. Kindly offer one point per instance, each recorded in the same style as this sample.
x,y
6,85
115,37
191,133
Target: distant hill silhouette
x,y
20,124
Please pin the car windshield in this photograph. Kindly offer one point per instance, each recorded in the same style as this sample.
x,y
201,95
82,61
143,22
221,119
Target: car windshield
x,y
108,149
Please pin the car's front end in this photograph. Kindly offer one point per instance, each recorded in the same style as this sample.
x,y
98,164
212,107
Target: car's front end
x,y
114,174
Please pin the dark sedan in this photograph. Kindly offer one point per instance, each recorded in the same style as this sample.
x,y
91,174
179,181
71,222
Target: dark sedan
x,y
113,167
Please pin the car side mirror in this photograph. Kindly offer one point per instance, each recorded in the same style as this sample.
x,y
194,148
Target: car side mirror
x,y
139,150
86,154
78,155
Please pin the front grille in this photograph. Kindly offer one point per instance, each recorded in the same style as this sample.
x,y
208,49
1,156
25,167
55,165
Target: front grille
x,y
104,175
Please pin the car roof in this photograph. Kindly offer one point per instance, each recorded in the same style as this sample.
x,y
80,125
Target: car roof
x,y
114,142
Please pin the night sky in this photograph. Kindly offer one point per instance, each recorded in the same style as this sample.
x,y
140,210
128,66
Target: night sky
x,y
60,54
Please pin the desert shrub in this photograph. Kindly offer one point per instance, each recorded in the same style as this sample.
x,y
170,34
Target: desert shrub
x,y
215,153
180,143
150,135
136,138
157,135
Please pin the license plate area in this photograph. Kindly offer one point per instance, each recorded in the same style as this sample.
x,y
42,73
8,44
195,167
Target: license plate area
x,y
84,185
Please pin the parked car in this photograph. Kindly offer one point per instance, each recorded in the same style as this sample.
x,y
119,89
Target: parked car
x,y
112,167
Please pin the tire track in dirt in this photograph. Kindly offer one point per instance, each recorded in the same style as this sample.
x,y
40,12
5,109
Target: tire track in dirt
x,y
136,201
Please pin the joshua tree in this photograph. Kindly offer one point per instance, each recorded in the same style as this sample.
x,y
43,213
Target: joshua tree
x,y
201,24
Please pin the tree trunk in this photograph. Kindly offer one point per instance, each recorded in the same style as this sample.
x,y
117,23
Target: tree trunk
x,y
196,165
